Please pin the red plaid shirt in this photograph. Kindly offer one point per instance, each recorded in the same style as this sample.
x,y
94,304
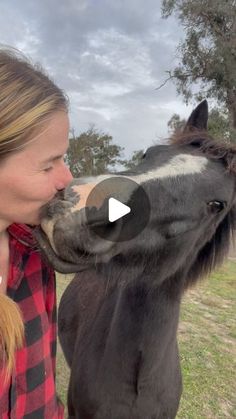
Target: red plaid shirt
x,y
31,392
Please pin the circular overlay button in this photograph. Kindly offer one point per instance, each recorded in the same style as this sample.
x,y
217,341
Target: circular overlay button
x,y
117,209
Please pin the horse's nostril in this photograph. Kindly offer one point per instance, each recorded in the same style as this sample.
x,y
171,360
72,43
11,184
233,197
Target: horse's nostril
x,y
103,227
82,252
60,194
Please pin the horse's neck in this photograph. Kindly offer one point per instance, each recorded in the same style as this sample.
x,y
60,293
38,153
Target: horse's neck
x,y
127,327
135,327
133,307
151,310
141,316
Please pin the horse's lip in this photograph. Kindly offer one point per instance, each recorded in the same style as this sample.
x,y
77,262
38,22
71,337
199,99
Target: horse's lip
x,y
61,265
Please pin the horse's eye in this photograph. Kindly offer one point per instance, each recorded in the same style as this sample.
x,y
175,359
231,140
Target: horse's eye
x,y
144,155
216,206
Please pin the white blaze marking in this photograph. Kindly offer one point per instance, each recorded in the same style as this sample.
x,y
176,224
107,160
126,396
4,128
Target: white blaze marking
x,y
180,165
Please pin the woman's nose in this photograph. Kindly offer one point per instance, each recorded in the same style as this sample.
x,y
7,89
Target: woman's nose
x,y
64,178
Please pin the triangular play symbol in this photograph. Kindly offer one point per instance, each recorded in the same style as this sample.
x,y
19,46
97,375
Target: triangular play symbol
x,y
116,209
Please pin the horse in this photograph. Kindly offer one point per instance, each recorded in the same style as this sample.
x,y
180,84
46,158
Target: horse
x,y
118,317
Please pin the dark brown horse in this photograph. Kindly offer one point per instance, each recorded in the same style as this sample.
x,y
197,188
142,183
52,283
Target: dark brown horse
x,y
118,318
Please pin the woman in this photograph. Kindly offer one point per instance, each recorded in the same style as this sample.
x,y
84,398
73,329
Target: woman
x,y
33,140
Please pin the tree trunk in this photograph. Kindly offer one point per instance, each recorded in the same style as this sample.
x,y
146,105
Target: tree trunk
x,y
231,105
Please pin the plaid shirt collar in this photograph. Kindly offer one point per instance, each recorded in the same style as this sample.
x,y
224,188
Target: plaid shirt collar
x,y
23,233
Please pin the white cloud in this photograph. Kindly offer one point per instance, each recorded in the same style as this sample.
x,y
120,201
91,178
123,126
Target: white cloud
x,y
108,56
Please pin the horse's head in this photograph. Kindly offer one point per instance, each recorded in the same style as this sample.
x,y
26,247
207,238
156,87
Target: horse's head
x,y
190,187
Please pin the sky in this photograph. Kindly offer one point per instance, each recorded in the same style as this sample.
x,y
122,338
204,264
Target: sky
x,y
109,56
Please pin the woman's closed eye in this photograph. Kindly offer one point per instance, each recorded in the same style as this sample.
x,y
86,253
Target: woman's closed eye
x,y
51,165
48,169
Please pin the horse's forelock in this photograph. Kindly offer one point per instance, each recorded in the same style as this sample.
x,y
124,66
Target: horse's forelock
x,y
208,146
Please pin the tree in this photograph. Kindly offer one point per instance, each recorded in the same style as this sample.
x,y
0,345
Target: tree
x,y
92,153
176,124
218,125
208,54
135,159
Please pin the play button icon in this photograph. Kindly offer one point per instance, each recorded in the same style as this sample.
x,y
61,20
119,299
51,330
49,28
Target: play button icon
x,y
116,210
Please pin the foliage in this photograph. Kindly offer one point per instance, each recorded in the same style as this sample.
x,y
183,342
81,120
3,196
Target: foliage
x,y
219,126
135,159
208,53
92,153
176,124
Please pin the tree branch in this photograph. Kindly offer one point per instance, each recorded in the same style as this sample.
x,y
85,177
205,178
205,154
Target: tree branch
x,y
171,76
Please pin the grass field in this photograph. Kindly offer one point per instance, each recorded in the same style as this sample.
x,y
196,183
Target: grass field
x,y
207,341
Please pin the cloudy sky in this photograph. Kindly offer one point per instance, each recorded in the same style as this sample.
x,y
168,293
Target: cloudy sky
x,y
109,56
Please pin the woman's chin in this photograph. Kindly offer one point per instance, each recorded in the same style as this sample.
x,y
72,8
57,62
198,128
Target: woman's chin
x,y
33,222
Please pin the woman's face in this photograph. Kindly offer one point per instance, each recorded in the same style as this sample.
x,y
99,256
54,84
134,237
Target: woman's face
x,y
32,177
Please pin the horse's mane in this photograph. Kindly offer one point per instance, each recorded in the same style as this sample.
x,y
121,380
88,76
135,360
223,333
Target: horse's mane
x,y
215,251
213,254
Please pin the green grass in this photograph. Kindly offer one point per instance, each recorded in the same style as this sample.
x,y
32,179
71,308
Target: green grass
x,y
207,342
62,372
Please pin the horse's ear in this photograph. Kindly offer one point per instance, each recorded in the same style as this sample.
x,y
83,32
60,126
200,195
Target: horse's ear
x,y
198,118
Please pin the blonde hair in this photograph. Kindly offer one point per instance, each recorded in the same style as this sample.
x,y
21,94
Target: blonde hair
x,y
27,99
11,334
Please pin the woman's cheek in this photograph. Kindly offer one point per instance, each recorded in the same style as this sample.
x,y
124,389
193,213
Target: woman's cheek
x,y
47,189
